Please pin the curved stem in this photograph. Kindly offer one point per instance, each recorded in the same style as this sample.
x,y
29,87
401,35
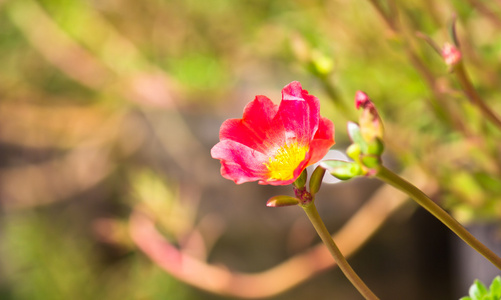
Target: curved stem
x,y
417,195
312,213
472,94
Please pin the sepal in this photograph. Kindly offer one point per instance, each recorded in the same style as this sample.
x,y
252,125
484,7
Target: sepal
x,y
301,180
353,151
316,180
343,170
371,161
356,136
375,147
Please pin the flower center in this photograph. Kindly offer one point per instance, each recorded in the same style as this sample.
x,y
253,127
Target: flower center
x,y
285,161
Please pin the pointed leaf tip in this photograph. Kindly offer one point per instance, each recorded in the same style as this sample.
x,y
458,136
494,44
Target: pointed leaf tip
x,y
477,290
495,287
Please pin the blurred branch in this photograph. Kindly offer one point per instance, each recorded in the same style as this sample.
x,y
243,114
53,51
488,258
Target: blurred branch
x,y
442,109
486,11
391,18
143,83
89,132
52,181
177,141
25,124
473,95
285,275
321,67
56,46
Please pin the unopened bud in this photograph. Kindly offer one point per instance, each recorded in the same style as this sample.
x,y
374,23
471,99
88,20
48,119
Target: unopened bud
x,y
322,64
361,99
371,125
283,200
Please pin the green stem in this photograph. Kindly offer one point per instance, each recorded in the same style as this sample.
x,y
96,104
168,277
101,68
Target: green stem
x,y
472,94
417,195
312,213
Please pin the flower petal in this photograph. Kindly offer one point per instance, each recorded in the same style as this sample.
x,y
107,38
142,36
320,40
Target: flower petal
x,y
322,141
239,162
253,130
299,112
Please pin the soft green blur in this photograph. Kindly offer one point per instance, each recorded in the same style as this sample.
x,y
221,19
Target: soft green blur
x,y
109,107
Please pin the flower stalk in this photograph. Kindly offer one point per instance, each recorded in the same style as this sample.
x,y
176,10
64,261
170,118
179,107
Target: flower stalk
x,y
366,152
417,195
315,219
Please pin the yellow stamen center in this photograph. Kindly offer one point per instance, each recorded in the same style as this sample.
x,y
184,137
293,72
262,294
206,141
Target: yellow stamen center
x,y
285,161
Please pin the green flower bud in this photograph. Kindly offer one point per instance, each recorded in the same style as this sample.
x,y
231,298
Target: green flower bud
x,y
282,200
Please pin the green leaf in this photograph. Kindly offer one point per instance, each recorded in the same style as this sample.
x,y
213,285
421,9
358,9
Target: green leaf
x,y
316,179
343,170
282,200
495,288
477,290
356,136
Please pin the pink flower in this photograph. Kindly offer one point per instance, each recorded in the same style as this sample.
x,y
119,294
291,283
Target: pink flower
x,y
271,143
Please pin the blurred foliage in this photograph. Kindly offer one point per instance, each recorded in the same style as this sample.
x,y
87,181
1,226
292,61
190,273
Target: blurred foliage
x,y
478,291
110,105
42,258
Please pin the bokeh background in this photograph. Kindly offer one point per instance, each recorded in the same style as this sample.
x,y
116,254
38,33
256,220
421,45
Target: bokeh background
x,y
109,109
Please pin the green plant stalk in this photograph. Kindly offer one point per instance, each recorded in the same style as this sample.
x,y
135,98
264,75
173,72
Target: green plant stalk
x,y
312,213
471,93
417,195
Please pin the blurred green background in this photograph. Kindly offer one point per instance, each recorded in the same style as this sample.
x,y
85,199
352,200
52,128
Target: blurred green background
x,y
109,107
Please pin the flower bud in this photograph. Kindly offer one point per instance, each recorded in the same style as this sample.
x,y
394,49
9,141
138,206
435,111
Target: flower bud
x,y
282,200
316,180
451,54
371,126
321,63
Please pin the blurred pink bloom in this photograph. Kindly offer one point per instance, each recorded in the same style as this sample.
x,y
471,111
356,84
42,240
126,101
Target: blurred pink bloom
x,y
271,143
451,54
